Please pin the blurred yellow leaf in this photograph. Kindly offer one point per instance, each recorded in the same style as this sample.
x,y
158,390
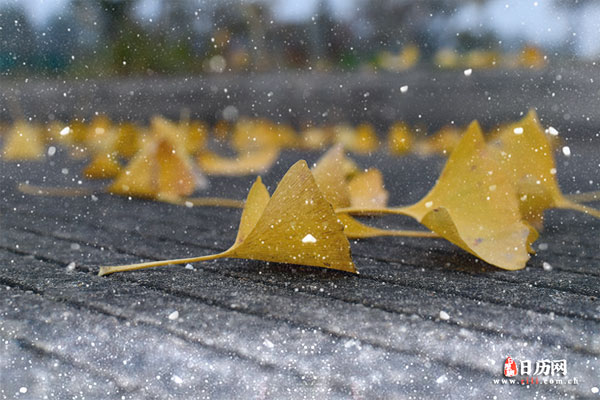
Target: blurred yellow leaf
x,y
23,142
366,189
361,139
331,174
128,140
400,138
161,170
258,134
296,226
442,142
315,138
103,166
525,156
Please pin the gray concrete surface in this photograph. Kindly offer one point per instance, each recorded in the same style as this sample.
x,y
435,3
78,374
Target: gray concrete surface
x,y
249,329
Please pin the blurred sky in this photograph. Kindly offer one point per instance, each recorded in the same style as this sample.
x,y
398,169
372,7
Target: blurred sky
x,y
542,22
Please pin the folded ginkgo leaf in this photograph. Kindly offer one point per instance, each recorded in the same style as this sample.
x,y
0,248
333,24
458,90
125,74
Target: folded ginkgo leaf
x,y
525,155
474,206
296,226
161,170
253,162
331,173
366,189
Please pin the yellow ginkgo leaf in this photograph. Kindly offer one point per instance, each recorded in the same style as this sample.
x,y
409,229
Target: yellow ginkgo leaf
x,y
103,166
296,226
400,139
361,139
473,205
100,134
314,138
24,142
525,156
331,173
197,134
442,142
255,162
128,140
161,170
366,189
250,135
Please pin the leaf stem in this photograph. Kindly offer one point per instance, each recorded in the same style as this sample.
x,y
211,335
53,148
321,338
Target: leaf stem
x,y
569,205
213,202
584,197
54,191
150,264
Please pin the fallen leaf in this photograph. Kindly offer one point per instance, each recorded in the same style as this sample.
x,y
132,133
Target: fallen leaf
x,y
315,138
128,140
296,226
23,143
250,135
474,206
103,166
361,139
161,170
331,173
525,156
400,139
366,189
442,142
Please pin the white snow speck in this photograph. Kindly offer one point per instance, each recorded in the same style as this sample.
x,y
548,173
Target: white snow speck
x,y
71,266
518,130
268,343
546,266
309,239
595,390
23,390
566,151
468,72
65,131
51,151
441,379
404,89
177,379
189,266
174,315
444,316
543,246
429,204
189,204
552,131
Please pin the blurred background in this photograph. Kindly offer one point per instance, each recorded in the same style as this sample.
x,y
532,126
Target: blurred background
x,y
120,37
307,62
